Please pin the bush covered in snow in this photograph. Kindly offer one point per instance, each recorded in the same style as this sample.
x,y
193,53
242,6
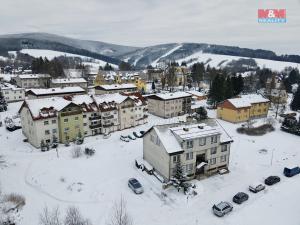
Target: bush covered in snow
x,y
76,152
256,131
17,199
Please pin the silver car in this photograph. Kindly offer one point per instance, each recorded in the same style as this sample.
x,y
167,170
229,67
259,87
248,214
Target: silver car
x,y
222,208
257,187
135,186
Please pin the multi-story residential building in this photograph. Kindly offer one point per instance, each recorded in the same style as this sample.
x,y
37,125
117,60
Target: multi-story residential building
x,y
168,105
201,149
39,119
67,118
114,88
12,93
33,80
54,92
69,82
244,108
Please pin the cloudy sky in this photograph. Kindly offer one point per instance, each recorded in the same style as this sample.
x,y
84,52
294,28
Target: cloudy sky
x,y
150,22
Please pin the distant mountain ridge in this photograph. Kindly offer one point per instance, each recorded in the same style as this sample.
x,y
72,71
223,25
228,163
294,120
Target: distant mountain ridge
x,y
140,57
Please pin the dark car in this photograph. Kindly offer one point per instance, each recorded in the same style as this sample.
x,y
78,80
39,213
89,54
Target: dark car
x,y
272,180
240,197
290,172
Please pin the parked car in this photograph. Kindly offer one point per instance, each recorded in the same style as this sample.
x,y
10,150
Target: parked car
x,y
290,172
240,197
135,186
256,188
123,138
131,137
222,208
272,180
136,135
106,136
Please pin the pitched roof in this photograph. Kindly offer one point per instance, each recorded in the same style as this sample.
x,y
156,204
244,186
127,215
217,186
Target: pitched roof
x,y
33,76
115,86
246,100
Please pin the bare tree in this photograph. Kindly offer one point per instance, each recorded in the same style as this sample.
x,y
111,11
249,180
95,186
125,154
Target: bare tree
x,y
50,217
120,215
74,217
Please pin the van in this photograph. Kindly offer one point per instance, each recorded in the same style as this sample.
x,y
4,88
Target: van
x,y
289,172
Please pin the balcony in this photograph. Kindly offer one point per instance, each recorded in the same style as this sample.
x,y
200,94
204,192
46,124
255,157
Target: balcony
x,y
95,118
107,125
95,126
107,117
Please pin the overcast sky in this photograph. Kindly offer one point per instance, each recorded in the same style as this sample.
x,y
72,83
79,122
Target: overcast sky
x,y
150,22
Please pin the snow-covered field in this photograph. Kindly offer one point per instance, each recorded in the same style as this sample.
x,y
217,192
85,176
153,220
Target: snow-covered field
x,y
93,184
50,54
215,60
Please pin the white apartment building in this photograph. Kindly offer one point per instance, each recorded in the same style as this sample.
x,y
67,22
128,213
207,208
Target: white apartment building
x,y
12,93
202,149
33,80
169,105
114,88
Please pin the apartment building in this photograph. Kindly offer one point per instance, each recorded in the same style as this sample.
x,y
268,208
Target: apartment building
x,y
12,93
202,149
242,109
54,92
115,88
33,80
169,105
69,82
66,118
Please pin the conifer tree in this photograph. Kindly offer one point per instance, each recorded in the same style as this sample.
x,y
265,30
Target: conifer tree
x,y
295,105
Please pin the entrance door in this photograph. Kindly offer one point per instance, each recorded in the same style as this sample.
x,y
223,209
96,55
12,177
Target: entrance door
x,y
200,160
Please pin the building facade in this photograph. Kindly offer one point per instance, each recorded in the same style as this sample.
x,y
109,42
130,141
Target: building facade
x,y
170,104
69,82
201,149
12,93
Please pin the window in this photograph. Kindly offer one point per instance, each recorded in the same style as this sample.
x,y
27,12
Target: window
x,y
189,155
66,129
85,124
214,139
223,158
53,121
189,167
84,116
202,141
76,118
77,126
54,131
66,120
213,150
189,144
46,122
47,132
212,161
224,148
176,158
157,141
152,138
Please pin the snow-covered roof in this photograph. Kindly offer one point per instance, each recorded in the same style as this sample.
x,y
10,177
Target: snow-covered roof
x,y
8,86
34,76
68,80
247,100
80,99
116,97
36,106
117,86
194,131
173,95
196,93
55,91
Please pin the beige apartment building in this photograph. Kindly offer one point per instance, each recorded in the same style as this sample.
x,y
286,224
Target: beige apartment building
x,y
169,105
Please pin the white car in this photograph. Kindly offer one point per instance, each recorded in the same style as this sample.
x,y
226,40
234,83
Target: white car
x,y
135,186
257,187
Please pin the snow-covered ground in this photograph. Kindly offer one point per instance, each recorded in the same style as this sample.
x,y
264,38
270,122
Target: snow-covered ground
x,y
215,60
93,184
